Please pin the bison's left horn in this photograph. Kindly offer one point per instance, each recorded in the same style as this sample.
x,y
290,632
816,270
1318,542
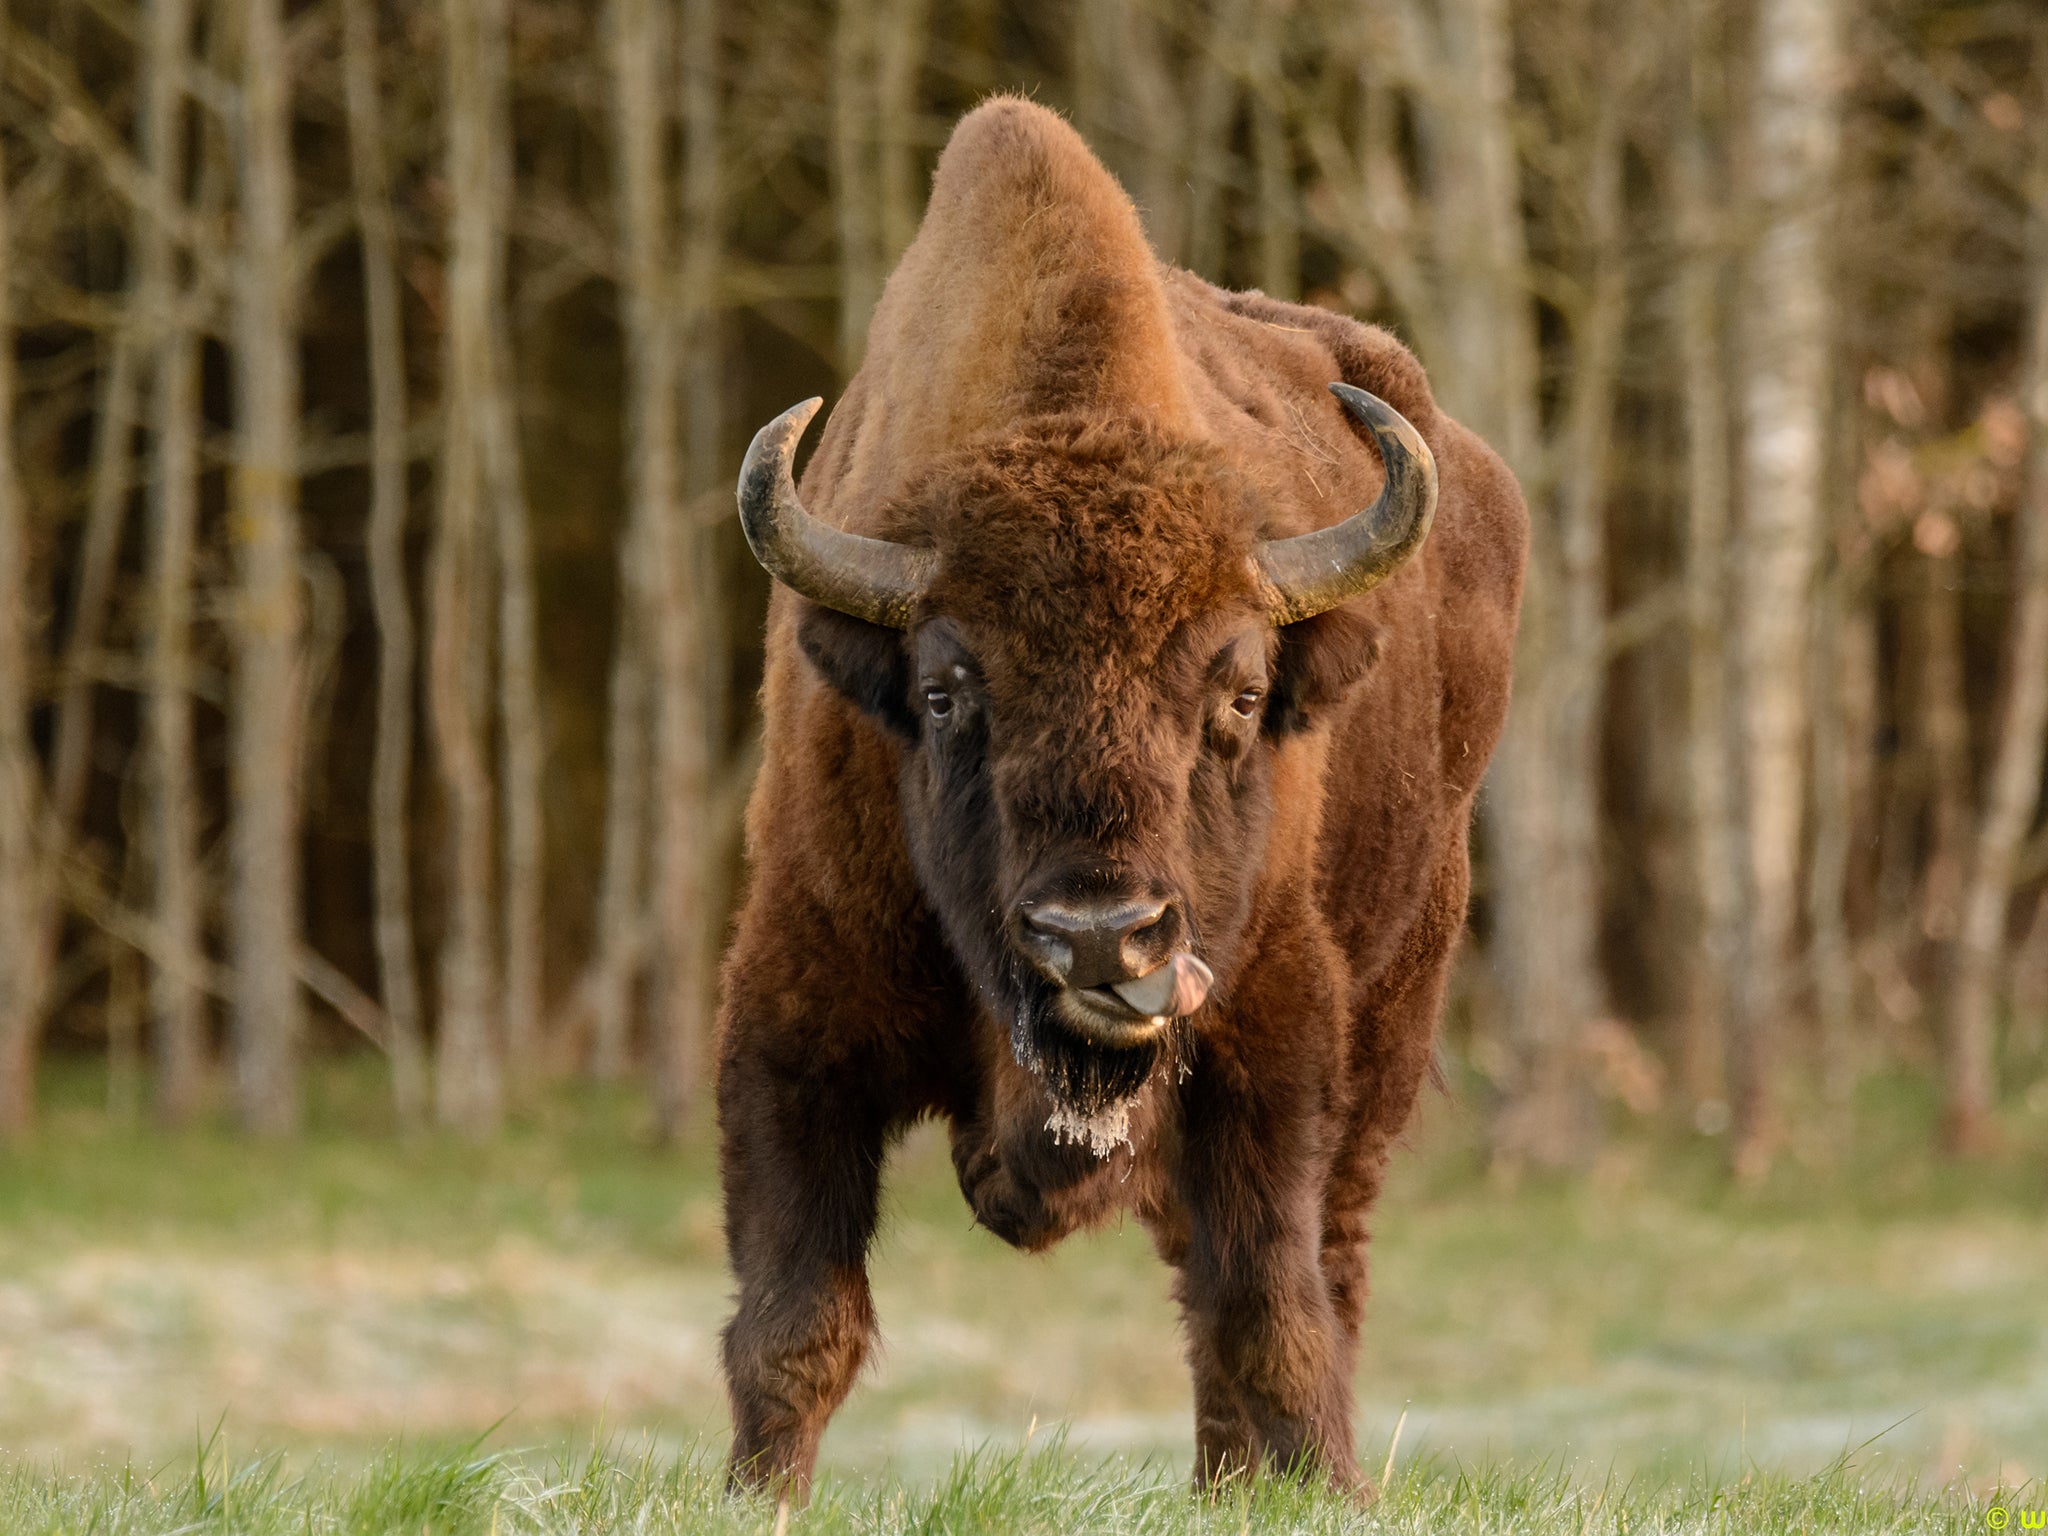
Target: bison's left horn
x,y
1302,576
872,579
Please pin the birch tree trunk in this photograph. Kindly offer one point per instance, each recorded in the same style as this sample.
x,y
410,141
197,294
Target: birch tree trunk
x,y
642,45
1943,724
689,627
622,918
522,732
1488,341
177,1008
1710,761
1488,367
523,729
855,199
1212,106
20,1011
2013,785
269,685
1278,202
468,1047
391,771
904,33
113,478
1839,683
1794,131
1571,698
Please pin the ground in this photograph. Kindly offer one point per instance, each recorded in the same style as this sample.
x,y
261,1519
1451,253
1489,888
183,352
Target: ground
x,y
1617,1352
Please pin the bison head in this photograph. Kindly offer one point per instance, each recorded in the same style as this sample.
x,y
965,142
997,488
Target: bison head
x,y
1088,658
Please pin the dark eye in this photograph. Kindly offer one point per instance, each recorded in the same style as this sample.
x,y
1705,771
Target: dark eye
x,y
1246,704
938,702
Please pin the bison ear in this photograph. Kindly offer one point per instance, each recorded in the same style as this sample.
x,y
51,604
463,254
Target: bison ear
x,y
863,662
1320,661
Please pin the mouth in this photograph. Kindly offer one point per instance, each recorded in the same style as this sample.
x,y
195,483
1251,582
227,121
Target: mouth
x,y
1132,1011
1098,1014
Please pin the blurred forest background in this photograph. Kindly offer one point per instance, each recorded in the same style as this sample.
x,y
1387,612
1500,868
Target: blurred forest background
x,y
378,648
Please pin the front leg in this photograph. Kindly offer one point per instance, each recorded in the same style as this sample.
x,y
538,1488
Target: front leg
x,y
1264,1340
800,1159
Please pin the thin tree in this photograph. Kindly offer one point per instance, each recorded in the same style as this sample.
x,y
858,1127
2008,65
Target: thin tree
x,y
522,739
391,771
689,626
903,34
266,729
1128,104
642,40
1710,762
2012,789
1794,128
20,774
1487,357
1214,92
856,201
177,1006
469,1045
1572,695
1277,200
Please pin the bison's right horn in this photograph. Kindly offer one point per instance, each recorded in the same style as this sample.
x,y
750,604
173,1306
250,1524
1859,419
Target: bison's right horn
x,y
872,579
1302,576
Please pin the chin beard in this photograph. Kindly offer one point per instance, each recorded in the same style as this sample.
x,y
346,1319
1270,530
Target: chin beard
x,y
1083,1076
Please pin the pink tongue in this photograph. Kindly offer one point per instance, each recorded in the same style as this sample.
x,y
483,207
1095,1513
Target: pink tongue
x,y
1173,991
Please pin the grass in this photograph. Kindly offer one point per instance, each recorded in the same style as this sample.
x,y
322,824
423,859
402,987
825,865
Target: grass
x,y
1861,1344
1048,1491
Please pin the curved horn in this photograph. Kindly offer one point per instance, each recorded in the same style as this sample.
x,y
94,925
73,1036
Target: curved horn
x,y
871,579
1302,576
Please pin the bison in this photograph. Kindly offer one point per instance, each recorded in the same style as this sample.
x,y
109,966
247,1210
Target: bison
x,y
1122,734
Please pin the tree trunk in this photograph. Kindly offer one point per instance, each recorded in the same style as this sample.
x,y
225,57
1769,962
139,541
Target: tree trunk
x,y
522,734
20,1002
1839,682
1126,105
391,771
113,478
1548,1118
1577,687
689,626
523,731
1488,372
1279,202
2013,785
1943,724
855,198
468,1080
1710,761
1785,410
269,683
177,1008
904,33
622,919
1212,106
641,53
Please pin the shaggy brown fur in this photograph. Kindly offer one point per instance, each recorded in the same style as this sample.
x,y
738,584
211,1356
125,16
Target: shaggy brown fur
x,y
1092,441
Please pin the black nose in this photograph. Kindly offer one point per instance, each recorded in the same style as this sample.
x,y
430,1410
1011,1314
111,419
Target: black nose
x,y
1096,943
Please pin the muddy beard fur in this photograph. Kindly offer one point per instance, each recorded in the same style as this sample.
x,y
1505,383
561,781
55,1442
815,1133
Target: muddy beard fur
x,y
1083,1077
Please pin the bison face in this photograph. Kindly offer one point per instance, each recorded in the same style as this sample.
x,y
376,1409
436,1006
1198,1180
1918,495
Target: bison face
x,y
1089,697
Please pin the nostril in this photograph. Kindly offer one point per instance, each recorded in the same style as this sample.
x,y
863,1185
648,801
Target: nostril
x,y
1046,938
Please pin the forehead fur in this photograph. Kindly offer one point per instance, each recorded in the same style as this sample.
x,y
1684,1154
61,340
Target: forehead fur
x,y
1079,537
